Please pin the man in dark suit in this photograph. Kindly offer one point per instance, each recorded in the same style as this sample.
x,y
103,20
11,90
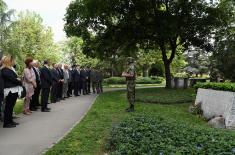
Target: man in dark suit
x,y
88,81
84,77
79,68
34,103
46,82
1,91
70,83
76,79
99,82
61,77
55,83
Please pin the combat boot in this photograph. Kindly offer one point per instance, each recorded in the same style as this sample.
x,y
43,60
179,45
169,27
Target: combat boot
x,y
131,109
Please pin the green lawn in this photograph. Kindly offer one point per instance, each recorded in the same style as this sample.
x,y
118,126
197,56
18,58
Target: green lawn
x,y
162,95
90,135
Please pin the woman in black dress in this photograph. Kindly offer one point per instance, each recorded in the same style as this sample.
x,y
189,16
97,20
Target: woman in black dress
x,y
12,89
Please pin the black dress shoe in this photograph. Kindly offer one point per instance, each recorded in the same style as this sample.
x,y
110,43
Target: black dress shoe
x,y
48,108
9,126
45,110
14,123
33,109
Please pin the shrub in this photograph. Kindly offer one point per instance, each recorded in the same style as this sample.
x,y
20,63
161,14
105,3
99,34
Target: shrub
x,y
196,109
146,135
216,86
115,80
139,80
148,80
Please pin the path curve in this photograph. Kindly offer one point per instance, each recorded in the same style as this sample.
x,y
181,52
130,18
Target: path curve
x,y
38,132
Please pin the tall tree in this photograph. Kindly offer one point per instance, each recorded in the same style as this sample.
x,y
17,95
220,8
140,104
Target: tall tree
x,y
72,52
28,37
198,61
222,61
146,59
5,21
111,26
224,54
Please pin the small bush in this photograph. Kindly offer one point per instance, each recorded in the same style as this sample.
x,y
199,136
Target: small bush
x,y
139,80
196,109
216,86
115,80
148,80
145,135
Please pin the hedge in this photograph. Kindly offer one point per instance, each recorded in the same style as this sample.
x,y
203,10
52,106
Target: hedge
x,y
216,86
139,80
145,135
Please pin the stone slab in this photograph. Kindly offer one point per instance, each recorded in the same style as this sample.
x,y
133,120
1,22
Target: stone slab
x,y
216,103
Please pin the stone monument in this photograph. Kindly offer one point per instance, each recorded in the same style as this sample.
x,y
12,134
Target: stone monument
x,y
216,103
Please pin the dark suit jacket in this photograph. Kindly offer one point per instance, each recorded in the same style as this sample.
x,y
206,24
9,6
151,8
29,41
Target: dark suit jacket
x,y
83,75
55,75
70,76
46,78
61,73
89,74
10,78
1,88
76,75
38,79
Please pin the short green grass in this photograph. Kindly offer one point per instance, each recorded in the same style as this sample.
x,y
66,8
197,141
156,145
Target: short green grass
x,y
89,136
165,96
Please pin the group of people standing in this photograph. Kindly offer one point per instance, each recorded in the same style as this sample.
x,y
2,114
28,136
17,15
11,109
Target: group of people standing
x,y
54,83
75,80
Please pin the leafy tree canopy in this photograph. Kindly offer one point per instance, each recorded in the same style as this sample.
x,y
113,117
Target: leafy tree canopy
x,y
120,27
28,37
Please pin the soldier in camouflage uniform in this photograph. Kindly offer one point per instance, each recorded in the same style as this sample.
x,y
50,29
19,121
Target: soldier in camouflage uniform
x,y
130,75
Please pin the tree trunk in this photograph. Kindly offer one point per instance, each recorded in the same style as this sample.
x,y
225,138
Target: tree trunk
x,y
168,61
145,71
167,74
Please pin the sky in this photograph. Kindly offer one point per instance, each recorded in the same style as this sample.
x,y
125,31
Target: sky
x,y
52,12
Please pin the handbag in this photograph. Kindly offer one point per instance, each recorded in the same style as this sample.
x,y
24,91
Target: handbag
x,y
23,93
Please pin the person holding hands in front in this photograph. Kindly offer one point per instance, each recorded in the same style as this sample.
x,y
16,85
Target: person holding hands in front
x,y
29,82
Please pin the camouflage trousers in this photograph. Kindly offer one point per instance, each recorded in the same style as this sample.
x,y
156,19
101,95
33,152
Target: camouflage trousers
x,y
131,91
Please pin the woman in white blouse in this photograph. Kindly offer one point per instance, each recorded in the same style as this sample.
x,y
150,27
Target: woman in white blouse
x,y
12,89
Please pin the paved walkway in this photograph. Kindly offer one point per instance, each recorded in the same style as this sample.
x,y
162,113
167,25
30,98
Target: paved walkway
x,y
39,131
